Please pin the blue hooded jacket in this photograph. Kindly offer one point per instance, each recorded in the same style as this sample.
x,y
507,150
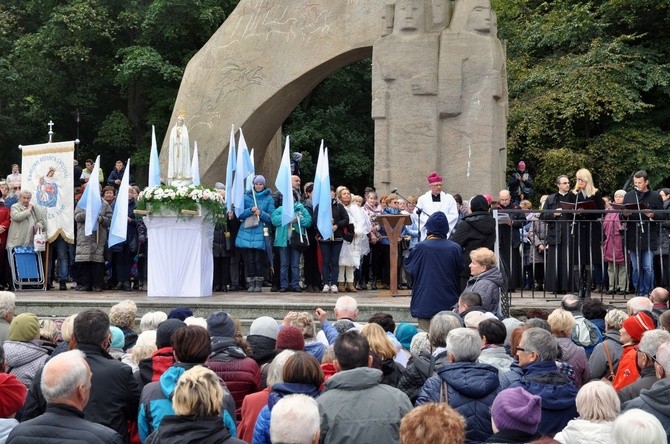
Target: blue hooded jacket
x,y
253,237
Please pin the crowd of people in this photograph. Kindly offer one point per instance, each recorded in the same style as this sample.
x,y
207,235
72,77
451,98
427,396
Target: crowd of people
x,y
102,377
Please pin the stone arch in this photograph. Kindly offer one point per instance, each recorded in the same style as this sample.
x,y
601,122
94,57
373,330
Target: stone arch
x,y
258,66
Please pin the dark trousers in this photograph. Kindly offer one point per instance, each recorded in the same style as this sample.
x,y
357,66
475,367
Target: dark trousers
x,y
221,272
254,262
92,274
330,253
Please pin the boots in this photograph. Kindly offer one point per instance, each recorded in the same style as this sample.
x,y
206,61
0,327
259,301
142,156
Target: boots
x,y
258,287
251,284
351,287
340,287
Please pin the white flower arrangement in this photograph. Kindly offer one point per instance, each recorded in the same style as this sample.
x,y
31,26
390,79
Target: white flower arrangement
x,y
174,199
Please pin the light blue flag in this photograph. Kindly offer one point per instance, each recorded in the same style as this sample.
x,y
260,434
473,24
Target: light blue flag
x,y
154,163
284,186
250,179
195,166
243,170
317,185
118,231
323,200
230,168
91,201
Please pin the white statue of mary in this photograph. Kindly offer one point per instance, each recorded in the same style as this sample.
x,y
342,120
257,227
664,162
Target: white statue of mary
x,y
179,162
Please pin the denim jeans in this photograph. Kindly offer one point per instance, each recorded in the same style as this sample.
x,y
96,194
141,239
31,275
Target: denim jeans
x,y
290,259
643,283
330,254
63,258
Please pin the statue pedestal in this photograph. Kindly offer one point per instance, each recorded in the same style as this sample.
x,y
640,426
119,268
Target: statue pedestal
x,y
180,262
393,225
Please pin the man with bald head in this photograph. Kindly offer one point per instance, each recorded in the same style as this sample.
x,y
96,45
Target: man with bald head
x,y
510,240
659,297
66,386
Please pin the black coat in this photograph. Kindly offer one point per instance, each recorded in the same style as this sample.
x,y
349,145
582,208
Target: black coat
x,y
115,393
476,230
512,436
635,237
340,217
189,429
62,424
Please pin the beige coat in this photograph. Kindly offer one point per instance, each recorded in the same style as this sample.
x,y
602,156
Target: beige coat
x,y
24,223
92,248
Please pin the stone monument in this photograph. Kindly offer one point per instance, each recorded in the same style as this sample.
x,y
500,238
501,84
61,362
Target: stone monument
x,y
268,55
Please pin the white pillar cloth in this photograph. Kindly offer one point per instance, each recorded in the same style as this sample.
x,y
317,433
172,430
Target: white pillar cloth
x,y
180,262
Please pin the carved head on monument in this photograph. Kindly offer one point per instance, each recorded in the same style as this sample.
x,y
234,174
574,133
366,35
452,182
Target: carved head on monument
x,y
472,15
409,16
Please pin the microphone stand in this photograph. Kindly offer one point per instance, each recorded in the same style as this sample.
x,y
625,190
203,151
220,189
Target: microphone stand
x,y
637,200
418,210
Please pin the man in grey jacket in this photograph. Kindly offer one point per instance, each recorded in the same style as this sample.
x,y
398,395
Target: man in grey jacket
x,y
355,407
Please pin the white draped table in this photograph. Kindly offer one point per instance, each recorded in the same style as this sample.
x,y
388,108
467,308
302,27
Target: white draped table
x,y
180,262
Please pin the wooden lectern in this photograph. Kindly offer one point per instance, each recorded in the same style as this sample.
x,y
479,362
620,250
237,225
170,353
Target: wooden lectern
x,y
393,225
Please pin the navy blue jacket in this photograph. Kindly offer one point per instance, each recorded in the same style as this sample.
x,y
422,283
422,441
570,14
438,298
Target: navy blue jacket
x,y
435,265
471,389
557,391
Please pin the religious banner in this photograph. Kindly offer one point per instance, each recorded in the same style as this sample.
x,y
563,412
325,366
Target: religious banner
x,y
47,172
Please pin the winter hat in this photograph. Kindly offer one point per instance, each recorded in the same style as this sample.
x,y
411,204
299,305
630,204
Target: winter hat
x,y
180,313
434,178
343,325
264,326
404,333
290,338
521,166
479,203
118,339
634,325
510,325
516,409
219,186
12,395
437,224
420,342
260,179
165,331
220,324
473,318
24,327
488,198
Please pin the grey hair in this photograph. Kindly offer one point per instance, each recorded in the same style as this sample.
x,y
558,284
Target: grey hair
x,y
651,340
151,320
420,342
295,420
640,303
7,303
614,318
73,372
571,303
440,326
541,342
635,426
66,327
663,357
598,401
464,344
346,304
276,368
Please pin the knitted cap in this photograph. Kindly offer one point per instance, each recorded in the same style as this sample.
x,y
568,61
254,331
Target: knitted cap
x,y
516,409
264,326
24,327
259,179
404,333
118,339
165,331
635,325
290,338
221,325
180,313
12,395
437,224
473,318
479,203
342,325
434,177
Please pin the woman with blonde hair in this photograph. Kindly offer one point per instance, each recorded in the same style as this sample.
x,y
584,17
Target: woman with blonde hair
x,y
486,279
561,323
197,403
598,406
354,246
383,354
586,239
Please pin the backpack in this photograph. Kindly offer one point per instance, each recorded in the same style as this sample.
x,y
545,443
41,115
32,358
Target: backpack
x,y
585,333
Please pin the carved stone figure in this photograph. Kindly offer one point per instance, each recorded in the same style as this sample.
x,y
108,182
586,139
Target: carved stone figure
x,y
179,162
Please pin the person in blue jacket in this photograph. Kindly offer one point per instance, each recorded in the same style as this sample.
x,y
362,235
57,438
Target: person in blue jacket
x,y
435,264
258,204
289,256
